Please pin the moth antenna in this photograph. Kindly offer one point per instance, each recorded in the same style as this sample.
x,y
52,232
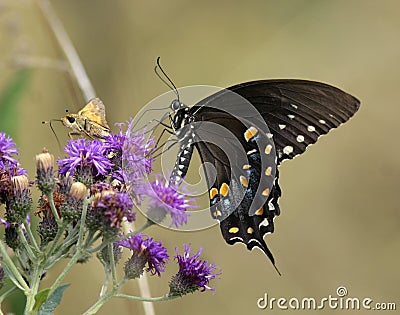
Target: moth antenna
x,y
52,129
173,87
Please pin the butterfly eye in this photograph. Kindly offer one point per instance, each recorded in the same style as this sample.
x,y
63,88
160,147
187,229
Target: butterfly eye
x,y
175,105
71,119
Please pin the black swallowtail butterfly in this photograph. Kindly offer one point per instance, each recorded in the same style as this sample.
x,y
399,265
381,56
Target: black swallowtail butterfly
x,y
293,114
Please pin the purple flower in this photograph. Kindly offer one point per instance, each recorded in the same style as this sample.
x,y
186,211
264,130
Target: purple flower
x,y
7,149
194,274
115,141
115,207
165,197
7,162
146,251
85,154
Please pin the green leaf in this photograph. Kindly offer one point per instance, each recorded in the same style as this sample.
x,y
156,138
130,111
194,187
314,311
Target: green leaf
x,y
9,99
40,298
47,305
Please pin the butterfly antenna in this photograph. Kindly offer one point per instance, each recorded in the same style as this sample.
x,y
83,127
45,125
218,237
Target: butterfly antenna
x,y
171,84
52,129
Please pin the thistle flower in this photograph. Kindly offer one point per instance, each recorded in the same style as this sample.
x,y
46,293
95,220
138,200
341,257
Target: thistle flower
x,y
166,200
144,251
7,149
194,274
87,161
108,210
8,166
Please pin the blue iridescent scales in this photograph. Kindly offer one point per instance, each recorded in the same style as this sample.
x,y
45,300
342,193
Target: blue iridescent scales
x,y
294,114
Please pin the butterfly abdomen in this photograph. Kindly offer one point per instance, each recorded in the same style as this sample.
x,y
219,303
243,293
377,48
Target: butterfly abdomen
x,y
182,163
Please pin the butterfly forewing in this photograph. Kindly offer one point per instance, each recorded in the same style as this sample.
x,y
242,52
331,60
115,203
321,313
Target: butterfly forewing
x,y
298,111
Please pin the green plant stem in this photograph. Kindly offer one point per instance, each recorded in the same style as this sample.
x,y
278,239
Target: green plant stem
x,y
146,299
114,293
114,239
35,281
65,271
60,232
96,306
17,280
24,241
53,208
78,252
104,287
112,264
92,240
31,237
82,227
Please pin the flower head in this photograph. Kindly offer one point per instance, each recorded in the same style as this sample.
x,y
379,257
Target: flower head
x,y
194,274
87,158
116,207
7,162
166,200
7,149
109,208
144,250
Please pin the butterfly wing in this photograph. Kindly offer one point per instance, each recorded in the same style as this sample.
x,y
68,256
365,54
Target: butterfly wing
x,y
240,184
296,112
95,111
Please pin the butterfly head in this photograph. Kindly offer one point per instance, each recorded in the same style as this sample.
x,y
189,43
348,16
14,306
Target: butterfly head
x,y
181,114
70,121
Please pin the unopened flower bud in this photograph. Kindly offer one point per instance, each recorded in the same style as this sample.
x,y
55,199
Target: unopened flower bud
x,y
45,171
78,191
19,183
47,229
11,237
71,208
21,201
44,161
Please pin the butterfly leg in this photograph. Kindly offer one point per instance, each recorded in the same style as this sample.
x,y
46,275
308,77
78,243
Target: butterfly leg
x,y
74,133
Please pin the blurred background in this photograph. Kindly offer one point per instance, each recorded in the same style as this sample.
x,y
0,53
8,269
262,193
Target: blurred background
x,y
341,204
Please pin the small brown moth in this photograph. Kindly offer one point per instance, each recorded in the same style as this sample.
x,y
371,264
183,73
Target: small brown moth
x,y
90,120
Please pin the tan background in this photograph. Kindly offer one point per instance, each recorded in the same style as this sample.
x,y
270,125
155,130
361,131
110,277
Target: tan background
x,y
340,205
